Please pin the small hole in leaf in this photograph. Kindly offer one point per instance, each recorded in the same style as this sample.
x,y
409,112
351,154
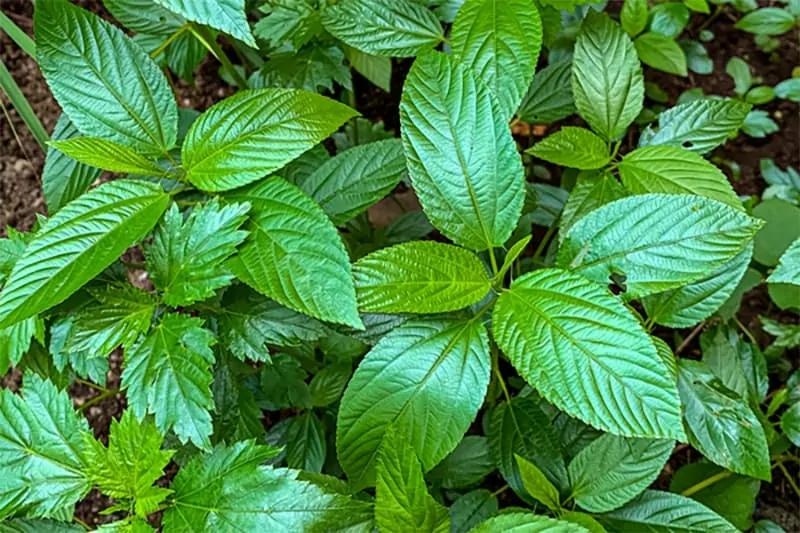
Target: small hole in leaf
x,y
687,144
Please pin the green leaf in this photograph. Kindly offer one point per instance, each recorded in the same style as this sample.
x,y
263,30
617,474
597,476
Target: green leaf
x,y
558,329
512,255
606,77
294,254
673,170
116,316
758,124
643,236
41,451
573,147
700,6
428,379
500,41
21,525
105,83
316,66
15,341
537,484
185,258
376,69
249,321
289,21
108,155
63,178
766,21
549,97
719,424
688,305
228,490
283,384
521,428
306,446
132,462
461,157
669,19
328,384
697,58
663,512
782,228
589,193
790,423
634,16
789,89
227,16
253,133
699,126
77,243
788,269
420,277
738,69
518,522
612,470
471,509
347,185
739,365
760,95
402,502
145,16
466,466
661,53
394,28
169,375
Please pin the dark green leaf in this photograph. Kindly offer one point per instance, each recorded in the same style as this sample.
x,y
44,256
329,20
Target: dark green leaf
x,y
767,21
549,97
305,443
466,466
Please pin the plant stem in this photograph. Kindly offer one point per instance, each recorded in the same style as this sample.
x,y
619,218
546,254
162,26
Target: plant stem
x,y
500,491
789,479
697,487
212,46
545,240
745,330
695,332
90,384
163,46
496,370
80,522
97,399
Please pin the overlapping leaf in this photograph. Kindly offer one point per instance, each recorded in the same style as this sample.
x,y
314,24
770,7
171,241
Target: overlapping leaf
x,y
228,16
63,178
664,512
549,98
573,147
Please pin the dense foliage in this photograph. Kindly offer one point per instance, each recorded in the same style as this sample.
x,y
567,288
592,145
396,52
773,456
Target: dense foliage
x,y
289,366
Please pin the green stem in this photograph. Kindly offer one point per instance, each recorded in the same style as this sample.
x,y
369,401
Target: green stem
x,y
498,375
20,103
97,399
545,240
697,487
493,260
83,524
90,384
789,479
17,35
203,35
163,46
500,491
746,331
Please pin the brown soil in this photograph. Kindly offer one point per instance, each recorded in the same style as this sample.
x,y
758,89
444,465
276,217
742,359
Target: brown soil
x,y
21,166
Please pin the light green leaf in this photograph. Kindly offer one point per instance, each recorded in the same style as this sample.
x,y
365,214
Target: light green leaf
x,y
500,41
669,19
589,193
789,89
634,16
700,6
253,133
63,178
41,451
606,77
673,170
15,341
758,124
22,525
466,466
656,241
522,428
105,83
144,16
132,462
573,147
760,95
394,28
549,97
306,446
699,126
316,66
587,354
169,375
612,470
428,379
294,254
376,69
347,185
518,522
228,490
289,22
664,512
77,243
738,69
185,258
537,484
721,425
688,305
512,255
790,423
228,16
461,157
402,502
420,277
661,53
249,321
766,21
788,269
108,155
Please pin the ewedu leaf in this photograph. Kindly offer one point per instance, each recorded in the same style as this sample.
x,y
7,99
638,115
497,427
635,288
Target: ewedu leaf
x,y
461,157
420,277
108,155
656,241
664,512
788,269
428,379
256,132
573,147
77,243
500,41
294,254
520,522
587,354
105,83
225,15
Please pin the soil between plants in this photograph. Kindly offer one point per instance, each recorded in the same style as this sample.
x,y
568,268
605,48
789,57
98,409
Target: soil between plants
x,y
22,160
